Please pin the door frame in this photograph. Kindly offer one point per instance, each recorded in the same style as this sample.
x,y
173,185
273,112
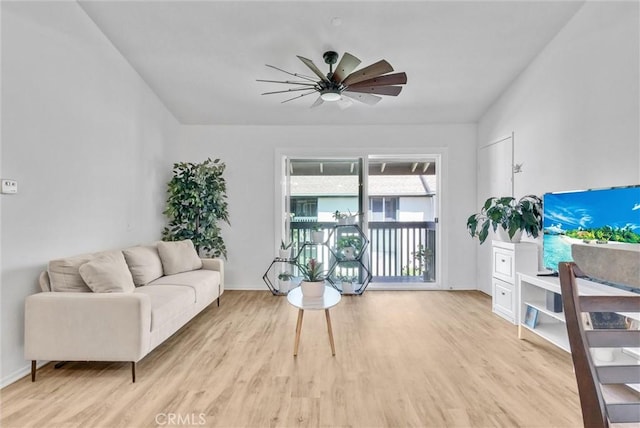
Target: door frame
x,y
440,156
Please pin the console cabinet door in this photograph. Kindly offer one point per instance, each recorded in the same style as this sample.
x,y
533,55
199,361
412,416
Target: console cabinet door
x,y
504,265
504,299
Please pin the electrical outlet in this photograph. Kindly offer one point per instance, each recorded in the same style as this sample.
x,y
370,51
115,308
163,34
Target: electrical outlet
x,y
9,186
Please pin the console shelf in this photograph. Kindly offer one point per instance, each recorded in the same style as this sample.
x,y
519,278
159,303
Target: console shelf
x,y
541,307
554,332
551,325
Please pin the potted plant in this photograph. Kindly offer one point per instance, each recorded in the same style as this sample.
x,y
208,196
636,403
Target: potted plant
x,y
317,235
312,284
349,247
285,249
196,203
344,218
341,218
352,218
424,256
509,217
347,283
284,282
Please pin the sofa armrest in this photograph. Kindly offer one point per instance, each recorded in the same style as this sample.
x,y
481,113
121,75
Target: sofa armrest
x,y
216,264
65,326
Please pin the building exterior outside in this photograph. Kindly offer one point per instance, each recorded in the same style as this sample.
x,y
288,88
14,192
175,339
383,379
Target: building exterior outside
x,y
400,212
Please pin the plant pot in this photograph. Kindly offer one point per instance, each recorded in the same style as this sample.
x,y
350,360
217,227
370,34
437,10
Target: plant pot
x,y
343,221
349,253
317,237
347,287
285,254
312,289
284,286
504,236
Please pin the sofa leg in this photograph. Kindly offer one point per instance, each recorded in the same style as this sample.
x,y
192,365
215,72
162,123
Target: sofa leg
x,y
59,364
218,299
133,371
33,370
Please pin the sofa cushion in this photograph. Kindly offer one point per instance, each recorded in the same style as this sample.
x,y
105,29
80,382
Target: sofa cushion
x,y
144,263
204,283
108,273
64,274
178,256
168,302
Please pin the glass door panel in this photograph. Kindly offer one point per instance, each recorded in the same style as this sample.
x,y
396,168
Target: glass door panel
x,y
322,193
402,219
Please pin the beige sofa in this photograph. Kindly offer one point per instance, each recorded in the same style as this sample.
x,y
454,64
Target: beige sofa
x,y
118,305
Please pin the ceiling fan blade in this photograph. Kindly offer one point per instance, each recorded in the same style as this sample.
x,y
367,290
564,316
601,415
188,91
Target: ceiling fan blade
x,y
380,67
345,66
287,90
344,103
317,102
388,79
363,98
302,76
380,90
290,82
313,67
299,96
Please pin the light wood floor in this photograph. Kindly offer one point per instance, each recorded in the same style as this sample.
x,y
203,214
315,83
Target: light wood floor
x,y
403,358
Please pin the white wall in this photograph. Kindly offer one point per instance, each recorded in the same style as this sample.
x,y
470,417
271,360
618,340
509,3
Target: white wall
x,y
575,110
89,144
249,152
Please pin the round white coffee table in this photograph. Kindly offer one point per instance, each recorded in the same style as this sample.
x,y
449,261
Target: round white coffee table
x,y
330,298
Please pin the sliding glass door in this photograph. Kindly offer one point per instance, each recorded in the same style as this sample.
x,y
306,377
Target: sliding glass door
x,y
396,203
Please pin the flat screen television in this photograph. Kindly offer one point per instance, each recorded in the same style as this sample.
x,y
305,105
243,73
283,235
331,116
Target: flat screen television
x,y
594,216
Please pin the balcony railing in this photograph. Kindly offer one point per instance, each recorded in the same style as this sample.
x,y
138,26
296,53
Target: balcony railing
x,y
391,249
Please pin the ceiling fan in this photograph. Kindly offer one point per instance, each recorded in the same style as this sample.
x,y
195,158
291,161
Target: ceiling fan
x,y
344,84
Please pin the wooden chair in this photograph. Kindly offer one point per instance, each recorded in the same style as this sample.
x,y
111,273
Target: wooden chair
x,y
604,396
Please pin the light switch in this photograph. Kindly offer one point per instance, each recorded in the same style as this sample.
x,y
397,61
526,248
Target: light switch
x,y
9,186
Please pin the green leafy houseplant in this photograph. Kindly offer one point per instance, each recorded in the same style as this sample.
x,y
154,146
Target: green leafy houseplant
x,y
349,246
285,276
508,213
196,203
423,256
350,241
339,216
344,218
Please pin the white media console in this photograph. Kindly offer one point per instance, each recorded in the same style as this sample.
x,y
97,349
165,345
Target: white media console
x,y
551,325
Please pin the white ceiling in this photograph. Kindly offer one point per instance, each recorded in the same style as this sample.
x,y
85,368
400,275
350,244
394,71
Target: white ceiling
x,y
202,57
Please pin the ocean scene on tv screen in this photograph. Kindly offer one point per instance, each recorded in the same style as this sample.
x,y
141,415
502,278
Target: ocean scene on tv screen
x,y
597,217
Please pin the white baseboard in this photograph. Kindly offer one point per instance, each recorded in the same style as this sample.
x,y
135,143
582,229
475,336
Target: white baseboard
x,y
372,286
252,287
19,374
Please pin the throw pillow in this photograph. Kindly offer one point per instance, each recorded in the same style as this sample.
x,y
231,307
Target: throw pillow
x,y
64,275
108,273
144,263
178,256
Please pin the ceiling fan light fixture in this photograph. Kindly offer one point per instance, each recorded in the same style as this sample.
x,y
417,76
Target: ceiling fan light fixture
x,y
330,95
363,85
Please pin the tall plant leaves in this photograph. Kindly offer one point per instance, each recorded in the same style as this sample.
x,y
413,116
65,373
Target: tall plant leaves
x,y
196,203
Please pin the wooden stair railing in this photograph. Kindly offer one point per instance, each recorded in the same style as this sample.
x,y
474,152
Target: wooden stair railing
x,y
605,396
